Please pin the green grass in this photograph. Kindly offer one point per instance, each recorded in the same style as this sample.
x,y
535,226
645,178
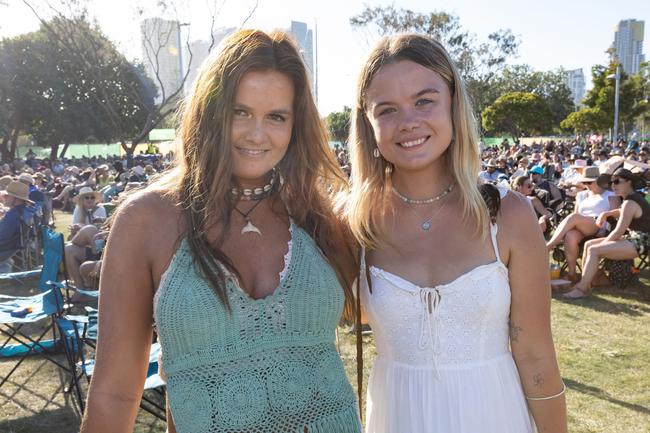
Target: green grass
x,y
602,343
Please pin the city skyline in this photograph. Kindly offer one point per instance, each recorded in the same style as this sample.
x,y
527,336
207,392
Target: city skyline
x,y
576,38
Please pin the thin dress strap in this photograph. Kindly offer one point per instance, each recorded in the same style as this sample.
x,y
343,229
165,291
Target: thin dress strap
x,y
494,228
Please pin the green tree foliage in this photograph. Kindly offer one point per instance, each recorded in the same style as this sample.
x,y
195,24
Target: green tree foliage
x,y
598,114
585,121
549,85
632,96
338,124
20,85
478,63
51,95
517,114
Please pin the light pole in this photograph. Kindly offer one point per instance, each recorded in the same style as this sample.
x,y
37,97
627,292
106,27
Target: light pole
x,y
617,77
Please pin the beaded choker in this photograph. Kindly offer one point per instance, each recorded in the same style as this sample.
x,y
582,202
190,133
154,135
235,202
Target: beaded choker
x,y
430,200
254,193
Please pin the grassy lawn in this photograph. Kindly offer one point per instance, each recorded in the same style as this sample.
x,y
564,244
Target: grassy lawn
x,y
603,346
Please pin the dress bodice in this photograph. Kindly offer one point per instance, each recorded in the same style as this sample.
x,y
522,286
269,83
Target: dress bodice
x,y
463,321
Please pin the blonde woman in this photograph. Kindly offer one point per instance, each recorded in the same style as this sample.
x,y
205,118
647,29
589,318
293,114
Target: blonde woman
x,y
459,303
240,261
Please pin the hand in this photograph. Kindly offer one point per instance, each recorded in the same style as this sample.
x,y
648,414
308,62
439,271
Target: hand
x,y
601,220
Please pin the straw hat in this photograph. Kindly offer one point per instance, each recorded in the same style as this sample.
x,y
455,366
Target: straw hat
x,y
492,163
4,181
590,174
26,178
86,190
18,190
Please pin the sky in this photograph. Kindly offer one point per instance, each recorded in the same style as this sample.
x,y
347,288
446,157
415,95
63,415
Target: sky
x,y
553,33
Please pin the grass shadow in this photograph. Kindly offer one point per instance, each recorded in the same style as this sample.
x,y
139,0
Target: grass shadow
x,y
61,420
595,301
602,395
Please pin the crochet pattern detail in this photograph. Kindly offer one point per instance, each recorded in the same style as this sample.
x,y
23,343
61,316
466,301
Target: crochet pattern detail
x,y
270,365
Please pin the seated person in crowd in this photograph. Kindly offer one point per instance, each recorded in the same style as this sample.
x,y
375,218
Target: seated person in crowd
x,y
88,210
523,185
536,175
490,174
16,197
82,253
629,238
590,203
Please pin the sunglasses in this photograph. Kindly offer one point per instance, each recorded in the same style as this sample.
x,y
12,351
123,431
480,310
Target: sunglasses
x,y
619,180
89,197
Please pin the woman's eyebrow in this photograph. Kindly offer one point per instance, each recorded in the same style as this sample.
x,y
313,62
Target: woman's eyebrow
x,y
418,94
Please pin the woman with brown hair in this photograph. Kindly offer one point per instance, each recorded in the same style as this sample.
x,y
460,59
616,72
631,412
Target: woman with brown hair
x,y
441,289
238,257
629,239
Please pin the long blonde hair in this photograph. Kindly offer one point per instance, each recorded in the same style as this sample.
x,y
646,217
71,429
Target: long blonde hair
x,y
201,184
368,200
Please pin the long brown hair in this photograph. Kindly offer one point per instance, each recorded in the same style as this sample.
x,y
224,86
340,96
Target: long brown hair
x,y
369,197
201,180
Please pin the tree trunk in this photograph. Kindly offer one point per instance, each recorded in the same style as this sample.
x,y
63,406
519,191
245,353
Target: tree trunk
x,y
14,143
4,150
65,148
54,152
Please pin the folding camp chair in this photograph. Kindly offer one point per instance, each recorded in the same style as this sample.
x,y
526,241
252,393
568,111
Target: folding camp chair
x,y
46,306
83,364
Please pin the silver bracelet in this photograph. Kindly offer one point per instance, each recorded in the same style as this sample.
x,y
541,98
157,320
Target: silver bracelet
x,y
549,397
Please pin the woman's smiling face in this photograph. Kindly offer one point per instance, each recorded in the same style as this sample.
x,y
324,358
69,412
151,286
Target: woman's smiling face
x,y
409,108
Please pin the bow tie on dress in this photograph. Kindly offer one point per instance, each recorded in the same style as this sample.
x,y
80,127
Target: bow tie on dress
x,y
430,301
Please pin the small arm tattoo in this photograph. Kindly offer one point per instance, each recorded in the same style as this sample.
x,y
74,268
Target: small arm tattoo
x,y
514,331
538,381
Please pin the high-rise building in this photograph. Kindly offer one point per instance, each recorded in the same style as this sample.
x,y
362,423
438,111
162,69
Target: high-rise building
x,y
304,37
200,52
162,55
628,45
575,81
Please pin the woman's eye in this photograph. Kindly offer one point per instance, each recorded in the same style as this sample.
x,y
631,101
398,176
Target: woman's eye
x,y
277,117
386,111
240,112
423,101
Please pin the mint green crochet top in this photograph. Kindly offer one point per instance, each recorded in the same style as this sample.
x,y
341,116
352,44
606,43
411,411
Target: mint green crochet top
x,y
269,366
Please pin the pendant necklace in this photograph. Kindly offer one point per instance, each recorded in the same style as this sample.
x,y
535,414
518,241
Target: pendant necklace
x,y
249,227
426,224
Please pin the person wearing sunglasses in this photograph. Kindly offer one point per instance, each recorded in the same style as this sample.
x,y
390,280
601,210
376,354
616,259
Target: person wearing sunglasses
x,y
525,186
629,238
590,203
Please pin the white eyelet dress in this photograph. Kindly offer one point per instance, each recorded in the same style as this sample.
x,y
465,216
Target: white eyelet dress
x,y
443,361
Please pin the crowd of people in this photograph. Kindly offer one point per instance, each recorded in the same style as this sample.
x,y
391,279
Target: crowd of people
x,y
89,188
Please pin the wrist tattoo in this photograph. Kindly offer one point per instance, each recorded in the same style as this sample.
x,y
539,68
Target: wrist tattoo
x,y
538,381
514,331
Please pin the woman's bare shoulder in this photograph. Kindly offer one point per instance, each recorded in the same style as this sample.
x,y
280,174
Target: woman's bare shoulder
x,y
516,212
149,211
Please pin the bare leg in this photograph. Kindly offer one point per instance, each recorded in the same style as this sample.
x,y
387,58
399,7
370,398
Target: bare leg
x,y
572,241
586,225
74,257
86,271
595,250
84,237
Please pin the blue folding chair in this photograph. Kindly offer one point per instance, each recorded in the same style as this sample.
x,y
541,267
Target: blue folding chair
x,y
85,329
46,306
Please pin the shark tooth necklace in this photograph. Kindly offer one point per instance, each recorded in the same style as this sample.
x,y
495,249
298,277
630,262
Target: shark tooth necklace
x,y
249,227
